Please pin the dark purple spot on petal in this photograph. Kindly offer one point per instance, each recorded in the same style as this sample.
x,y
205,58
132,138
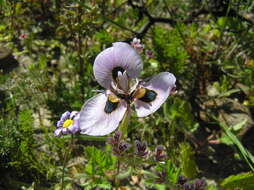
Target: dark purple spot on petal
x,y
110,106
149,96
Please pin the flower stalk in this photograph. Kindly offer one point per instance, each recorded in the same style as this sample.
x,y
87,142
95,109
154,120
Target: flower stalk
x,y
125,122
66,156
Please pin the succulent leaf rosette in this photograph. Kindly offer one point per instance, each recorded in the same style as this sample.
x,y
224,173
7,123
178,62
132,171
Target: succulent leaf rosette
x,y
117,70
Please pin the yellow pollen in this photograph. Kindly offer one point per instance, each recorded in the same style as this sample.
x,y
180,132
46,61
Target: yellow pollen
x,y
140,93
113,98
67,123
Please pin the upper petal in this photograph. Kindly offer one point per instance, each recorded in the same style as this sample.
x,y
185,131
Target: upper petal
x,y
73,114
121,56
74,128
95,121
161,86
64,117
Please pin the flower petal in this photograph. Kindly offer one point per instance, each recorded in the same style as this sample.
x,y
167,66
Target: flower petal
x,y
73,114
74,128
65,131
119,57
64,117
58,131
161,86
95,121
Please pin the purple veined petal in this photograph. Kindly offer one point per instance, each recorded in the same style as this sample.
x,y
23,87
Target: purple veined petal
x,y
95,121
161,84
65,131
120,55
73,128
73,114
58,131
65,115
59,123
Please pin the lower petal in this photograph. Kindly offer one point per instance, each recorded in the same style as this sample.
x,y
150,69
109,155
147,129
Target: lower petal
x,y
95,121
160,85
57,132
73,128
65,131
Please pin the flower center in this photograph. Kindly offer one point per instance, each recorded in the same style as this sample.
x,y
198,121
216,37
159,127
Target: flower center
x,y
115,72
67,123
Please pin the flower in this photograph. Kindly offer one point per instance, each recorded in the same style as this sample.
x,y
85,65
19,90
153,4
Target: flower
x,y
136,44
200,184
161,177
149,54
119,147
141,148
188,186
181,180
115,140
160,155
68,123
117,69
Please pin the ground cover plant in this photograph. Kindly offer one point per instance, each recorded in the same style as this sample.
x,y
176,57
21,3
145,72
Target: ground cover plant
x,y
127,94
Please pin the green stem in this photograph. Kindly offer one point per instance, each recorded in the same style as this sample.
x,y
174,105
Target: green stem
x,y
65,160
125,122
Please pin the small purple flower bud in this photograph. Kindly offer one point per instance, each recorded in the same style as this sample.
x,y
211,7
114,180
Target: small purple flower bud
x,y
173,91
121,148
161,177
137,45
160,154
149,53
188,186
115,139
199,184
181,180
141,148
117,136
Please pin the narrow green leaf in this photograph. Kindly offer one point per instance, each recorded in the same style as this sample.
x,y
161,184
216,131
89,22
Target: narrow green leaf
x,y
244,181
228,93
248,157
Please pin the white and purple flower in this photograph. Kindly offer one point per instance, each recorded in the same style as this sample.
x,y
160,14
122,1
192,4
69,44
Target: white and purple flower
x,y
68,123
117,69
136,44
